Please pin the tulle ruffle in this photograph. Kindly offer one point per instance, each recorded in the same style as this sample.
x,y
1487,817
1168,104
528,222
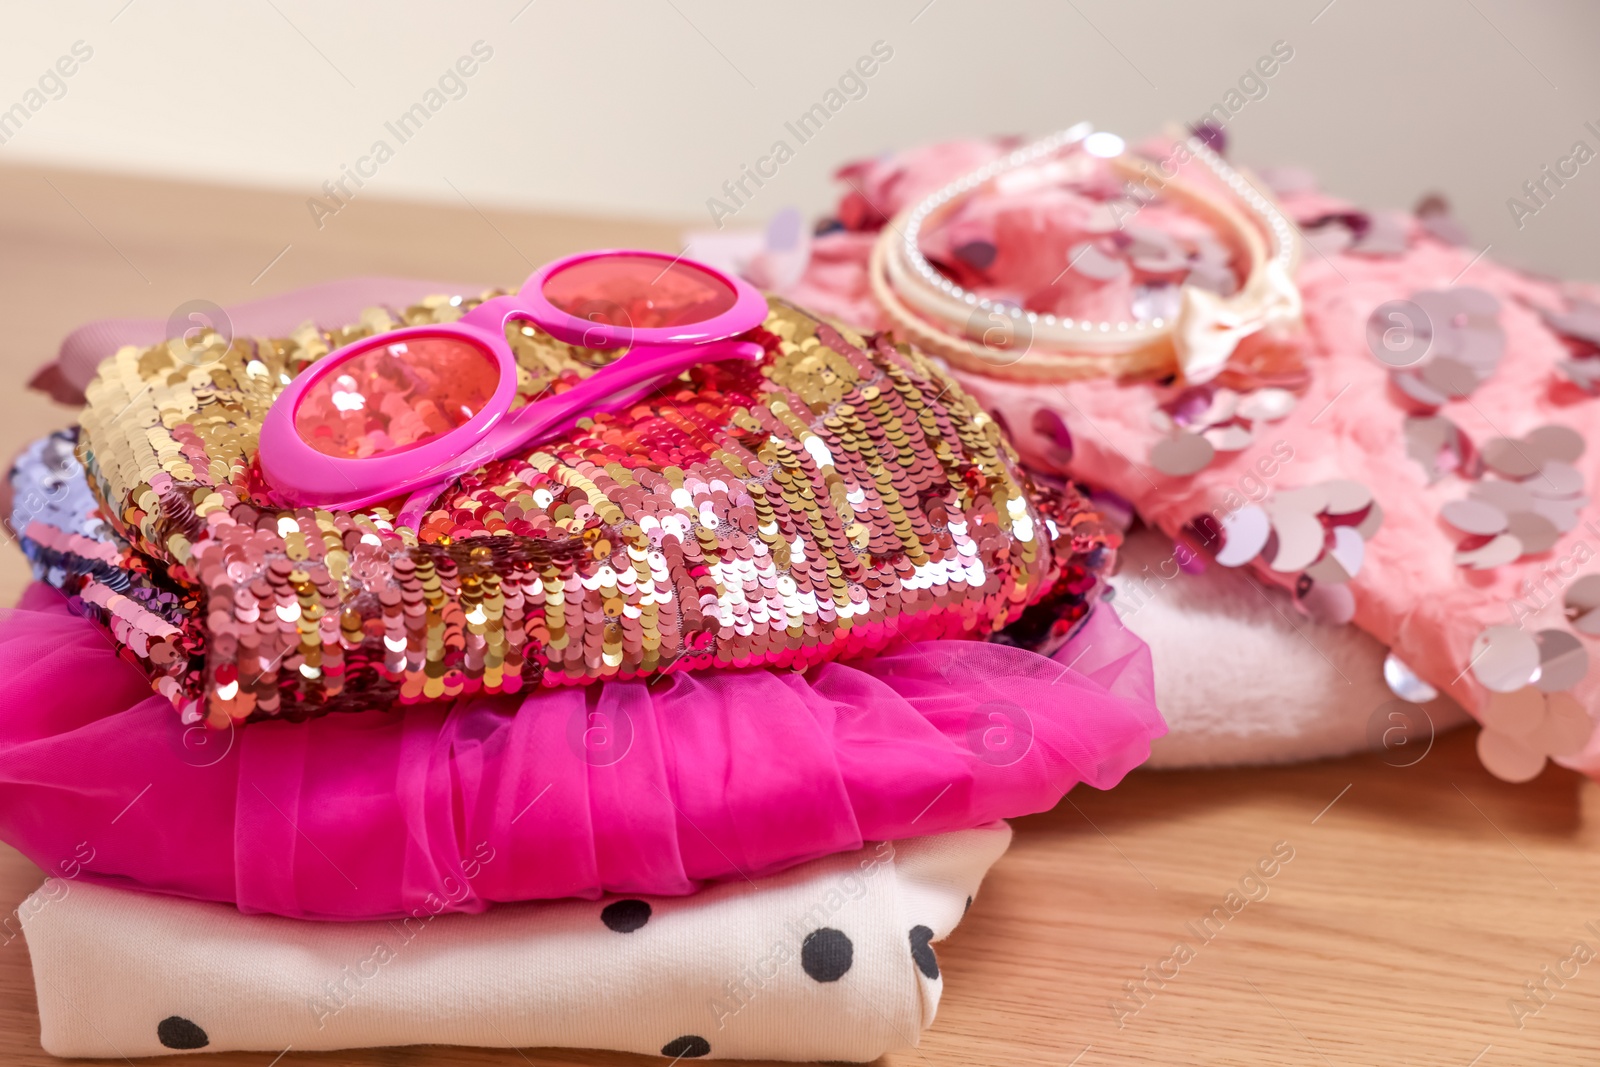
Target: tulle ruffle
x,y
617,788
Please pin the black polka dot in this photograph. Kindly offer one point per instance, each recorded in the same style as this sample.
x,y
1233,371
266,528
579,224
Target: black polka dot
x,y
177,1032
826,954
688,1047
922,951
625,916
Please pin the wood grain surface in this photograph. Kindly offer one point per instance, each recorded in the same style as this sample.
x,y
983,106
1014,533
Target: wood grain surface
x,y
1417,903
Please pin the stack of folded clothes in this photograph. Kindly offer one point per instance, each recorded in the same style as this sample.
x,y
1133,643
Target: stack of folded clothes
x,y
490,670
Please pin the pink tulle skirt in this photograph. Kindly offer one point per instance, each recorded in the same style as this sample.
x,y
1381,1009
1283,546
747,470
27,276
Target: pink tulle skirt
x,y
624,787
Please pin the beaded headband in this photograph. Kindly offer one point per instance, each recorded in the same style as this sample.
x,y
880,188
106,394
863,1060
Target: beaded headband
x,y
960,326
838,496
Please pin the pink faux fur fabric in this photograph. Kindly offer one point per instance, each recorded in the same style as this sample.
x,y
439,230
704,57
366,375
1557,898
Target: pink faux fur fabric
x,y
1410,594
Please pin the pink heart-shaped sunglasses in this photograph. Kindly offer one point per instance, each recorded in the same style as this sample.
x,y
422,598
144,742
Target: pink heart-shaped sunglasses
x,y
407,411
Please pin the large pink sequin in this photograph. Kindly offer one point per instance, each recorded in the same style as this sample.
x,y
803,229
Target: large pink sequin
x,y
395,397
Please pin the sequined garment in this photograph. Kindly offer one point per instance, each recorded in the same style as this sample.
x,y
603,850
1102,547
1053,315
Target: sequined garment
x,y
841,495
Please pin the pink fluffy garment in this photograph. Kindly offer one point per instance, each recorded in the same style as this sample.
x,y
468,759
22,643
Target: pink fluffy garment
x,y
1410,593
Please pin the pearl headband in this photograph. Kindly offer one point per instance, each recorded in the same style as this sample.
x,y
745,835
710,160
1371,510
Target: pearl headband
x,y
1197,342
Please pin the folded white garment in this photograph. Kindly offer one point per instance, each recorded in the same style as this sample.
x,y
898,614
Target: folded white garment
x,y
829,961
1243,677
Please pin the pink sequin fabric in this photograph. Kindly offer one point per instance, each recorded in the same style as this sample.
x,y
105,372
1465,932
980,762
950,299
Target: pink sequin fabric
x,y
843,496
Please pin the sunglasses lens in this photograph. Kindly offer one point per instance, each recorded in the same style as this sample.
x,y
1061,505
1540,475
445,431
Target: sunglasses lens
x,y
639,292
395,397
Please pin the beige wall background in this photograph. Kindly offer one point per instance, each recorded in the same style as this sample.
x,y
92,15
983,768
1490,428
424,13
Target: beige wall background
x,y
646,108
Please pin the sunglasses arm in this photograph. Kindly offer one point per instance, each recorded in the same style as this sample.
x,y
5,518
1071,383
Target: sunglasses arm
x,y
623,383
613,388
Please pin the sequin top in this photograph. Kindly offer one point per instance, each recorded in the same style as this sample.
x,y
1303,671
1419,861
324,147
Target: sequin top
x,y
841,494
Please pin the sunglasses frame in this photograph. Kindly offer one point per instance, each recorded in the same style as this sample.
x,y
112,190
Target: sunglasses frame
x,y
301,475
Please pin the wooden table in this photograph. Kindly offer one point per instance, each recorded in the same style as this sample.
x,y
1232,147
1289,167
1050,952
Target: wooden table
x,y
1418,902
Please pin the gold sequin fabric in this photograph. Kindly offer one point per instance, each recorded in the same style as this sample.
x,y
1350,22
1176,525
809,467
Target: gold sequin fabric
x,y
838,496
